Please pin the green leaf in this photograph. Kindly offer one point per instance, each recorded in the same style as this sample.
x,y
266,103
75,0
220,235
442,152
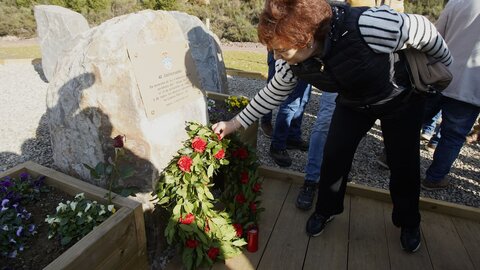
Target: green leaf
x,y
199,256
210,170
164,200
186,227
202,238
239,243
169,179
176,210
100,168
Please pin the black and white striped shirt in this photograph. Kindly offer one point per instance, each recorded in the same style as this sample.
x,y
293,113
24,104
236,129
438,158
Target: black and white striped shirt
x,y
383,29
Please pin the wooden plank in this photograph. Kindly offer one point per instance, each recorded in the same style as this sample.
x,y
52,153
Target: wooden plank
x,y
273,197
399,259
330,249
433,205
443,243
288,243
368,245
469,232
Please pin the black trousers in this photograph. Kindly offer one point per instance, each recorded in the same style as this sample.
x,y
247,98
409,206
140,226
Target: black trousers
x,y
401,119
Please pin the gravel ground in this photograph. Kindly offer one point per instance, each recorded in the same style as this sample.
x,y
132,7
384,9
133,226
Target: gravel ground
x,y
25,136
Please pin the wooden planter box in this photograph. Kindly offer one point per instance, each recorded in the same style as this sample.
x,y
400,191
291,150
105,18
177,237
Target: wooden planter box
x,y
118,243
248,135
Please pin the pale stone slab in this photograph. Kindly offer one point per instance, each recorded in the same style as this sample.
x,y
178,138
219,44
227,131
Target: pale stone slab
x,y
57,28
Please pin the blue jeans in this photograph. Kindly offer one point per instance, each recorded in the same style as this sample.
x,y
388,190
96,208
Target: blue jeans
x,y
458,119
290,113
430,126
319,136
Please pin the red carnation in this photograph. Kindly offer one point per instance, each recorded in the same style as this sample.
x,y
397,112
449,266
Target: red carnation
x,y
118,141
239,229
220,154
253,207
244,177
198,144
256,187
240,198
242,153
184,163
213,253
189,218
191,243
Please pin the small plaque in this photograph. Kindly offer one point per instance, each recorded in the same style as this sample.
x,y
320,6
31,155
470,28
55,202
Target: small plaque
x,y
166,76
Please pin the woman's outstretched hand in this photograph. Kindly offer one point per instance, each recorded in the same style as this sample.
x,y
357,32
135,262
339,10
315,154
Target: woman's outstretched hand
x,y
224,128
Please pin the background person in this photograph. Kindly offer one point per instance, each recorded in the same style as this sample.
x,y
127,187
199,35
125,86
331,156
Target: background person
x,y
459,23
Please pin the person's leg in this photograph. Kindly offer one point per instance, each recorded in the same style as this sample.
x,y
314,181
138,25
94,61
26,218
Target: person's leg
x,y
346,130
315,153
294,139
400,132
457,121
266,120
430,126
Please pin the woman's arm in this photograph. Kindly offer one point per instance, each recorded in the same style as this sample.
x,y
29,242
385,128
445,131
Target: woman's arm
x,y
267,99
387,31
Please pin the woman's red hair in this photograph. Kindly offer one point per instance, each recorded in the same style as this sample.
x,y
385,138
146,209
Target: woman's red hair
x,y
293,23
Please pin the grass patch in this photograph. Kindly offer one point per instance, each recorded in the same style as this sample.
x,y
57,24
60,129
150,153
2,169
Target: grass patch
x,y
20,52
240,61
246,61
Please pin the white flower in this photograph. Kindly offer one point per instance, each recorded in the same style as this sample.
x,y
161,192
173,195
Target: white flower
x,y
89,205
80,196
111,208
79,214
61,207
73,205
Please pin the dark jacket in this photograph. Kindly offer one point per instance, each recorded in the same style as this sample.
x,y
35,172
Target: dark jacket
x,y
349,66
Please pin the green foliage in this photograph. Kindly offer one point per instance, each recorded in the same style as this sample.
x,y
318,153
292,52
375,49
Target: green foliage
x,y
429,8
206,234
159,4
77,218
233,20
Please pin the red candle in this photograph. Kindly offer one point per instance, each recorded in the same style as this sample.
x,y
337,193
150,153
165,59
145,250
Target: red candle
x,y
252,240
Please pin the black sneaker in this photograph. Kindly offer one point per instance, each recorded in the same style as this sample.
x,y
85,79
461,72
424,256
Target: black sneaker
x,y
300,145
306,195
281,157
316,223
410,239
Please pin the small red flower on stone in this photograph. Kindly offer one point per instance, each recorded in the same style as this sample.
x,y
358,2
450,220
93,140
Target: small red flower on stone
x,y
244,178
198,144
191,243
220,154
189,218
213,253
240,198
184,163
118,141
239,229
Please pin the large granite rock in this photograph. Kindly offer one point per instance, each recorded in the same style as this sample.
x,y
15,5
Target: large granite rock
x,y
57,28
206,52
94,97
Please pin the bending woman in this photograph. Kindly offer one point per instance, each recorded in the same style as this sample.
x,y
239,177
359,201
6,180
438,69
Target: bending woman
x,y
356,52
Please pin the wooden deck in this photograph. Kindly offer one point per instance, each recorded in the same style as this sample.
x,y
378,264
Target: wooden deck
x,y
363,237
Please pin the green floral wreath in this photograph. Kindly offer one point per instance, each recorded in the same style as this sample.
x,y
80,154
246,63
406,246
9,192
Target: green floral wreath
x,y
205,228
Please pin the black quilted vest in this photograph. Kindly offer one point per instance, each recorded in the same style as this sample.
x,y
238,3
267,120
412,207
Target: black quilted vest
x,y
349,66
